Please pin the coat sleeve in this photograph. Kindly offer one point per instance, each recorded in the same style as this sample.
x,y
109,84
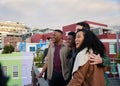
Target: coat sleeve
x,y
106,60
79,76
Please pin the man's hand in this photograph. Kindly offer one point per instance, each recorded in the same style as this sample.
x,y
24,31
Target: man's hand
x,y
95,59
39,75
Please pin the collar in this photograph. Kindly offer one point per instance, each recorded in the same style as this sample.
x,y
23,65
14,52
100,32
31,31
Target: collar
x,y
63,44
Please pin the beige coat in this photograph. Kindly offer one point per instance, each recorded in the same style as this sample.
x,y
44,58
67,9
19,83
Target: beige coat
x,y
64,50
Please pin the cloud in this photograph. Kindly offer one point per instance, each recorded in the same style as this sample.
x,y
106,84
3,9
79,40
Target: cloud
x,y
57,13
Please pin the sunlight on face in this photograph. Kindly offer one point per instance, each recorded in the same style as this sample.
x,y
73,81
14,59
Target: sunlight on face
x,y
79,39
57,36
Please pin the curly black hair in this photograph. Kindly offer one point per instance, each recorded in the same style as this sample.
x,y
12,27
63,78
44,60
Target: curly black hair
x,y
91,41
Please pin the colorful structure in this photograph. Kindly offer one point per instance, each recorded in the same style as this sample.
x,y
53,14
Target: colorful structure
x,y
18,67
32,47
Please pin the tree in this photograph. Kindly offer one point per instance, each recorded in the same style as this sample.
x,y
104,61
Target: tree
x,y
11,48
8,49
38,58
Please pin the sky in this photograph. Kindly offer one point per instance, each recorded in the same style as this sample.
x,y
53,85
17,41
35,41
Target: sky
x,y
58,13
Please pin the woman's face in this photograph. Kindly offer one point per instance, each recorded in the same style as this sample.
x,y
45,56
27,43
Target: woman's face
x,y
79,39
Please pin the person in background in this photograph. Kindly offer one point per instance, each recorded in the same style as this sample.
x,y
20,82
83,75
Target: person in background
x,y
46,50
82,25
85,74
45,58
70,41
3,79
45,54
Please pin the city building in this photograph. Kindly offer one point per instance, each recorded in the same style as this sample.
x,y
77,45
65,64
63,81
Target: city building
x,y
11,39
41,34
32,47
106,35
111,44
2,35
36,31
41,31
93,25
0,41
13,27
18,67
12,32
36,38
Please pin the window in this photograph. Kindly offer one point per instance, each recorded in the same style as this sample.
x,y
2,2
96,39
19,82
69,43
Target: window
x,y
15,71
112,48
4,68
32,48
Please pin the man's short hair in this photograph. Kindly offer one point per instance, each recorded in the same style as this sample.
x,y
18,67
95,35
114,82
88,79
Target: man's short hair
x,y
84,24
72,34
57,30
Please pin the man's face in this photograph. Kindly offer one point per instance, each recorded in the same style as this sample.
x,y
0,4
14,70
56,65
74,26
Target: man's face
x,y
52,39
78,27
57,37
69,40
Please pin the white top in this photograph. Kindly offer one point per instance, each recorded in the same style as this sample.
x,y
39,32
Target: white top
x,y
81,59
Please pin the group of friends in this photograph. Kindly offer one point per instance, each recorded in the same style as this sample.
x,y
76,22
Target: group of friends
x,y
80,61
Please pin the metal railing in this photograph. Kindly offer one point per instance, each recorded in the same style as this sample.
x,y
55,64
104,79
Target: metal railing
x,y
114,68
40,81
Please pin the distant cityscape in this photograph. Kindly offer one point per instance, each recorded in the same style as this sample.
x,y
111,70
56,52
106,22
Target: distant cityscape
x,y
15,33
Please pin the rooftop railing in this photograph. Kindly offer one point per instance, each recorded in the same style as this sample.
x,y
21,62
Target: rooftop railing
x,y
40,81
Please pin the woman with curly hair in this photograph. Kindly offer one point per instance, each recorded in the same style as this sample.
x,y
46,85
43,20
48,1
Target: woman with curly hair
x,y
85,74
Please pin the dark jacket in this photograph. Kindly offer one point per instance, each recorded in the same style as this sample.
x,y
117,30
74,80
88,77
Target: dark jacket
x,y
3,79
